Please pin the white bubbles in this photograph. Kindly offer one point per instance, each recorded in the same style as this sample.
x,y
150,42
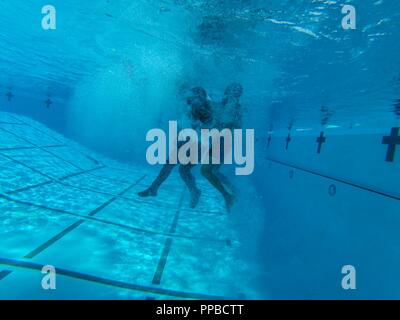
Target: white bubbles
x,y
112,110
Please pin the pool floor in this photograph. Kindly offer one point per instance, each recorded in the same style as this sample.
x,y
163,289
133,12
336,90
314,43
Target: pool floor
x,y
65,206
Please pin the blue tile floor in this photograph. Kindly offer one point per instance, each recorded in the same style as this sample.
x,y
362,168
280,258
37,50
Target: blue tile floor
x,y
65,206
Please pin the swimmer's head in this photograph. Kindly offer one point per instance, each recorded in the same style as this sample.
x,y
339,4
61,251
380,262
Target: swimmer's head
x,y
234,90
199,92
197,97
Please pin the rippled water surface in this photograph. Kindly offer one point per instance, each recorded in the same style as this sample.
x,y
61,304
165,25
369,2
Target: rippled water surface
x,y
296,61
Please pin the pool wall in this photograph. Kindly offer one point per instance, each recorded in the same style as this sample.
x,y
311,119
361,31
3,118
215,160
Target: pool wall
x,y
327,210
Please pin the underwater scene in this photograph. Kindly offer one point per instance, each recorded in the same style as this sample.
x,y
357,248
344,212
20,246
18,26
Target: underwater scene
x,y
199,149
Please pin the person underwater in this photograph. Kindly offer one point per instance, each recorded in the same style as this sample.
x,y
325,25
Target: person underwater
x,y
199,116
227,115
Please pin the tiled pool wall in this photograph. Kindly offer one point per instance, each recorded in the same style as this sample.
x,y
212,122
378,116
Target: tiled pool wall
x,y
331,199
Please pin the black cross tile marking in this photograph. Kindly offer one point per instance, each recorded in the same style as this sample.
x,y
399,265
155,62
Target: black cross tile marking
x,y
392,141
321,140
269,140
48,103
9,96
288,139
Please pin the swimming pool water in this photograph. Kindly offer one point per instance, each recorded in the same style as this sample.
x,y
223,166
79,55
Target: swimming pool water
x,y
77,101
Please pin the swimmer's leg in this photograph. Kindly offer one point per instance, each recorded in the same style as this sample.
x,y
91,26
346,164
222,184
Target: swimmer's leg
x,y
224,179
162,176
190,181
207,172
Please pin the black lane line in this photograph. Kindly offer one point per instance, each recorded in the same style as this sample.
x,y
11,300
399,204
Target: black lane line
x,y
51,181
54,146
51,136
110,179
26,166
82,172
38,171
22,122
101,192
227,242
73,226
162,262
29,187
62,159
121,169
30,148
90,189
352,184
167,246
53,240
140,201
4,274
41,148
110,282
46,175
12,123
17,148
